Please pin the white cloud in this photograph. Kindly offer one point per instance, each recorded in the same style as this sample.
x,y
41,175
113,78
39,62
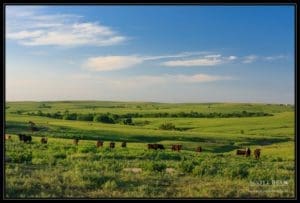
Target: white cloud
x,y
273,58
208,60
108,63
33,29
250,59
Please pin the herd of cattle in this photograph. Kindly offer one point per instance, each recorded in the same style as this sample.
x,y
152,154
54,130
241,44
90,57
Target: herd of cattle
x,y
175,147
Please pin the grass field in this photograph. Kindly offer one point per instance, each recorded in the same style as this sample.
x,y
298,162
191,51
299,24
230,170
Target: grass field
x,y
61,169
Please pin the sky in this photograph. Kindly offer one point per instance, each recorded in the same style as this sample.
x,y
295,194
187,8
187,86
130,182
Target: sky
x,y
150,53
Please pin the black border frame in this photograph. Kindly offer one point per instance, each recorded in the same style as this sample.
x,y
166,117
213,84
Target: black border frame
x,y
153,3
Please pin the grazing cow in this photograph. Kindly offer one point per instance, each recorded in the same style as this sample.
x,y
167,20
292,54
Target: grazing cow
x,y
248,152
44,140
75,141
240,152
112,145
150,146
176,147
99,143
155,146
160,146
8,137
25,138
257,153
199,149
123,144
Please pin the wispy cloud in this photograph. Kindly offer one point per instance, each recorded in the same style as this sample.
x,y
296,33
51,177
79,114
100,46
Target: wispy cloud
x,y
208,60
249,59
273,58
35,29
108,63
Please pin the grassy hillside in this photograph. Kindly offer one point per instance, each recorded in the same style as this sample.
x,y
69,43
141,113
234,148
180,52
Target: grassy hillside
x,y
60,169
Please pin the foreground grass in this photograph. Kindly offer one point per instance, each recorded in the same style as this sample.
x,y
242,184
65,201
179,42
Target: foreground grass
x,y
61,169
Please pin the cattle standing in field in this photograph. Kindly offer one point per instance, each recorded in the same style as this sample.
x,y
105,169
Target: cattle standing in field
x,y
25,138
155,146
240,152
44,140
257,153
99,143
75,141
176,147
8,137
248,152
112,145
199,149
123,144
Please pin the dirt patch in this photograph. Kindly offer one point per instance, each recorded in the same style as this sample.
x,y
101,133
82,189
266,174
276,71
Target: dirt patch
x,y
170,170
133,170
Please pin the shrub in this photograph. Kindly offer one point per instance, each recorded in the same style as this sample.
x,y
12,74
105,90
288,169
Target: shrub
x,y
104,118
167,126
158,166
187,166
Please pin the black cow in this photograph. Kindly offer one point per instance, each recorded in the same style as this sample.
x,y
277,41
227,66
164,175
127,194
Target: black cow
x,y
123,144
112,145
25,138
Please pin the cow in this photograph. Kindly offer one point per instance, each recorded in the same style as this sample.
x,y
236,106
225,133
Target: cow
x,y
44,140
99,143
112,145
155,146
240,152
257,153
123,144
199,149
25,138
176,147
160,146
8,137
248,152
150,146
75,141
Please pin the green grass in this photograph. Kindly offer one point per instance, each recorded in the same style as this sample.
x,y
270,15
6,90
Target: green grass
x,y
61,169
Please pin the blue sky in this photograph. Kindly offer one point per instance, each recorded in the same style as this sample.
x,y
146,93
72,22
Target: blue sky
x,y
150,53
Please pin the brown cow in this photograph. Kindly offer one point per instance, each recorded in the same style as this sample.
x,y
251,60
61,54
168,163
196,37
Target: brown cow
x,y
8,137
123,144
112,145
176,147
257,153
240,152
155,146
199,149
44,140
150,146
99,143
75,141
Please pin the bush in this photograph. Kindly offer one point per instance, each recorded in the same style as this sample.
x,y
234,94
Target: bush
x,y
104,118
187,166
158,166
128,121
110,185
85,117
167,126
